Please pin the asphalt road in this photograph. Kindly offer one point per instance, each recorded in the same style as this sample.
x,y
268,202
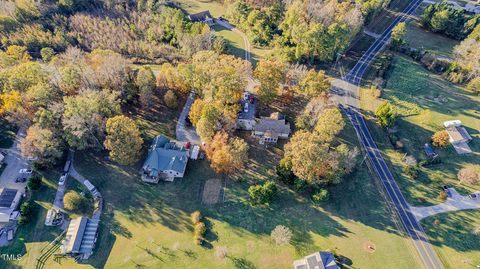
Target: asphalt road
x,y
350,106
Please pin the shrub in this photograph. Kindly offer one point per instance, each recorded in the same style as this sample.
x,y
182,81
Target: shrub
x,y
25,213
25,209
262,194
170,99
200,229
22,220
284,171
320,196
468,176
476,231
74,202
281,235
411,171
442,196
299,185
440,139
34,182
196,217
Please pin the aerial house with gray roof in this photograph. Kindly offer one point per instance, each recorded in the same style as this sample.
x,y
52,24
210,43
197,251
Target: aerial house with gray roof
x,y
166,160
318,260
270,129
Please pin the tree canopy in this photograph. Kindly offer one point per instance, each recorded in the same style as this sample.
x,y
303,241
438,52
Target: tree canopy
x,y
123,140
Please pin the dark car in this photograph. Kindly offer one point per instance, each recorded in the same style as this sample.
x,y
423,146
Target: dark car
x,y
188,122
21,179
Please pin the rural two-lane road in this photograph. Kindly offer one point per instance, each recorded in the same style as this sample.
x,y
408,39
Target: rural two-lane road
x,y
350,106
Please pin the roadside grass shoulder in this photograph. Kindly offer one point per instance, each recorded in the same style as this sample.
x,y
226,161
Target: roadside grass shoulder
x,y
453,235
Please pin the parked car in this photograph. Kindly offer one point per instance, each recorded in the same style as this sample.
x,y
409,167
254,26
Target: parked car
x,y
245,109
25,171
62,180
20,179
31,158
252,99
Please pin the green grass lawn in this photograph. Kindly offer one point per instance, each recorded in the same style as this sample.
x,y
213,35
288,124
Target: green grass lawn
x,y
7,133
453,237
420,38
413,90
235,45
148,225
216,8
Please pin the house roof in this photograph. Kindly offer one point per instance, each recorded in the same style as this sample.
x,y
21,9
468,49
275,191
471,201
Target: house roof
x,y
81,236
457,133
275,125
200,16
165,155
7,196
318,260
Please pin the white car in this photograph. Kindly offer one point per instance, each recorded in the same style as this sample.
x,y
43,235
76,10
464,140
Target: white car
x,y
62,180
245,109
25,171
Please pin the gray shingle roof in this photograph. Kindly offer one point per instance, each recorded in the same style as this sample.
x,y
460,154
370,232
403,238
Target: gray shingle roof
x,y
165,155
274,125
200,16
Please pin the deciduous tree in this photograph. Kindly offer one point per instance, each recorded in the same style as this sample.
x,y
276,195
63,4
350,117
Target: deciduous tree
x,y
440,139
386,114
270,74
123,140
330,123
226,154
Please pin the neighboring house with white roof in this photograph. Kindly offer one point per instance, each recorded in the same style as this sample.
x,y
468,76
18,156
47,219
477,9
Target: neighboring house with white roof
x,y
81,237
318,260
270,129
458,136
166,160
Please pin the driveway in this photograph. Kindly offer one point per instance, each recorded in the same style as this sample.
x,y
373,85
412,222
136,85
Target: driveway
x,y
454,202
14,162
183,132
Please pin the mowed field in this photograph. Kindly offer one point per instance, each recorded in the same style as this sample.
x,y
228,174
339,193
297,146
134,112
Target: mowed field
x,y
148,226
453,234
424,101
235,45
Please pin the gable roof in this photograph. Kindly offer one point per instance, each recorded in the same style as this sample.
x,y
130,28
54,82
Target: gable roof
x,y
165,155
81,236
318,260
200,16
276,125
